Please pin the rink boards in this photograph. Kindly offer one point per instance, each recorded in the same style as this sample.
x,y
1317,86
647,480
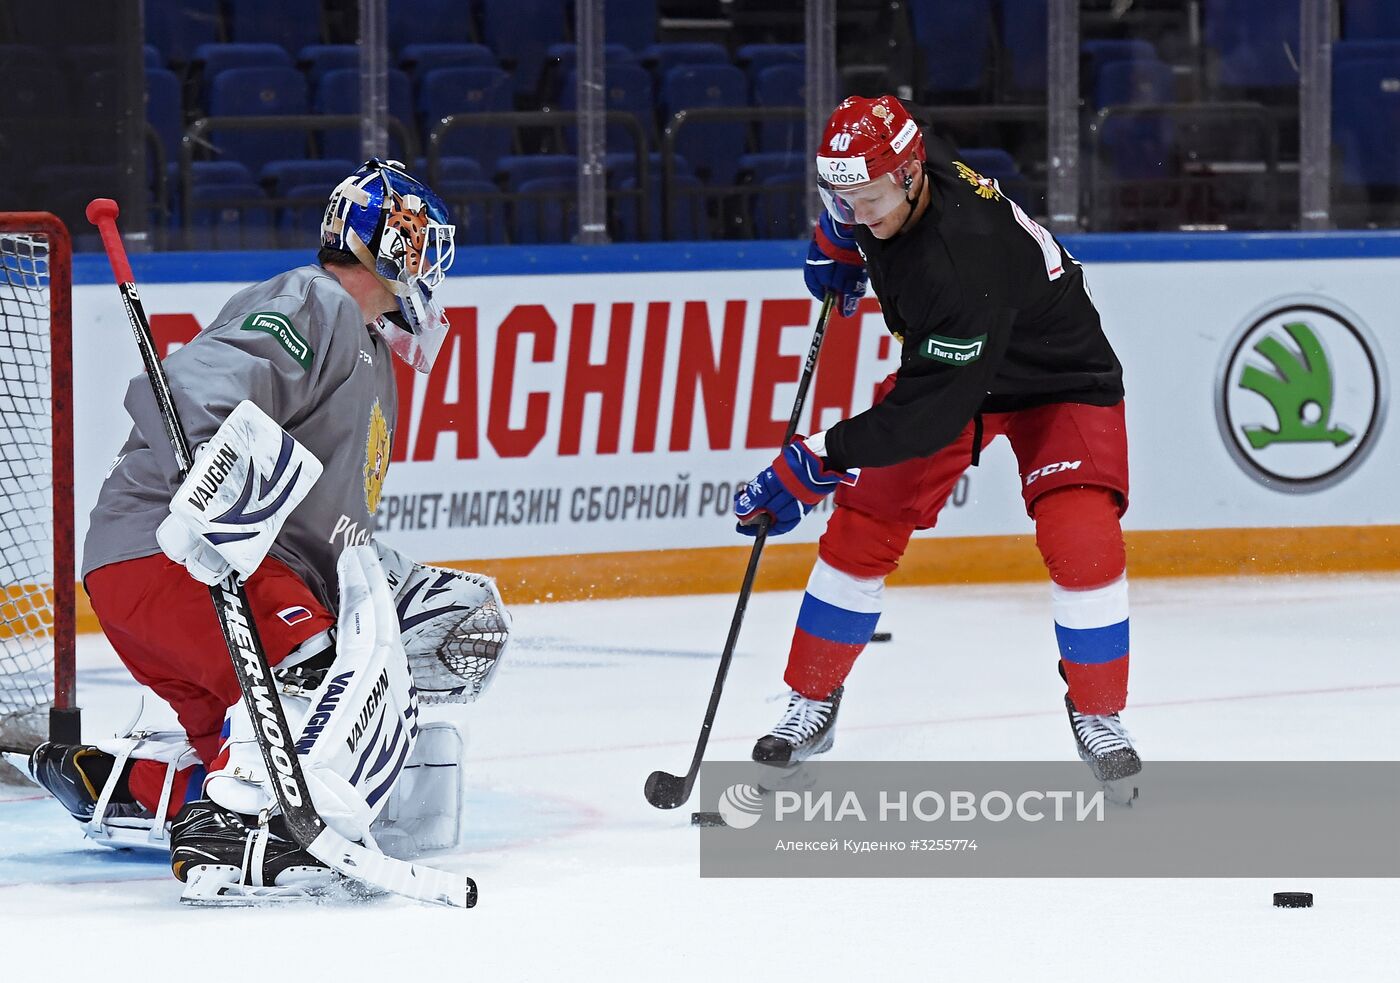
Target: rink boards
x,y
586,426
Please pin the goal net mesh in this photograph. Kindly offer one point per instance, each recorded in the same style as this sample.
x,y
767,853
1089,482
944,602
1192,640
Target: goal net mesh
x,y
27,554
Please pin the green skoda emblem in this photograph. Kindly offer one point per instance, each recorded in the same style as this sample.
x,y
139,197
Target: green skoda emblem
x,y
952,351
1300,395
280,327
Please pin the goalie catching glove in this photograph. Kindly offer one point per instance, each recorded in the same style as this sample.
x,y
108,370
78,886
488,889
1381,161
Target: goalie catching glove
x,y
245,482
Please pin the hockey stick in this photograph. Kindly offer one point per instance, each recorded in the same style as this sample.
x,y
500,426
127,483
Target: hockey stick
x,y
667,791
245,648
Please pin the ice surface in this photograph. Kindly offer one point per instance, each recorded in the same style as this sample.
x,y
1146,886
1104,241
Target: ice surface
x,y
582,880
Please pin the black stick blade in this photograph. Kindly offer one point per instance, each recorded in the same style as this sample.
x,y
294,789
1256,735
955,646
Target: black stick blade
x,y
666,791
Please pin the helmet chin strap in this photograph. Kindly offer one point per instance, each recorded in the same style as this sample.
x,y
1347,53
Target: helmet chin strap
x,y
912,202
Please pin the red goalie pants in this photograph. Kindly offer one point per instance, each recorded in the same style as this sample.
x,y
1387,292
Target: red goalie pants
x,y
162,623
1073,463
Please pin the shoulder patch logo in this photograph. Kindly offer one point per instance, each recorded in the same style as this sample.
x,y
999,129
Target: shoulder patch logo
x,y
280,327
986,187
377,444
952,351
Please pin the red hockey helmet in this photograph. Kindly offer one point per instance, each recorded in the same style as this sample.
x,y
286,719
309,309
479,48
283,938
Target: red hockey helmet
x,y
866,139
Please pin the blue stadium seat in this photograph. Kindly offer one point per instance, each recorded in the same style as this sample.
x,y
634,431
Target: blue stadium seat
x,y
687,210
163,109
515,170
420,59
520,31
430,22
754,58
214,59
552,217
1366,121
279,176
462,91
780,209
1024,25
781,85
152,57
178,27
204,174
1255,42
449,169
300,224
627,90
666,56
713,148
993,162
561,59
954,37
632,23
216,223
1093,55
477,209
1346,52
258,92
293,24
1377,19
1137,147
339,93
318,59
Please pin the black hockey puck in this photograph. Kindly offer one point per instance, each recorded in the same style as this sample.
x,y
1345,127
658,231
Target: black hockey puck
x,y
882,636
706,819
1292,899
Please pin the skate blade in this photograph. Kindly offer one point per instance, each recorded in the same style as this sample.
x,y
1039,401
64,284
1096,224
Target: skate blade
x,y
20,763
214,887
1123,792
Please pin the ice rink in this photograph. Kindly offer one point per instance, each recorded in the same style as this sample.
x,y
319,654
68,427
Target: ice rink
x,y
582,880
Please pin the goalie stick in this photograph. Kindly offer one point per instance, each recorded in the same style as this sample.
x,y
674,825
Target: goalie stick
x,y
352,860
667,791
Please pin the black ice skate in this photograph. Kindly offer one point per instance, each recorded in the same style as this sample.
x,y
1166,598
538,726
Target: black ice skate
x,y
807,728
1103,744
226,858
75,775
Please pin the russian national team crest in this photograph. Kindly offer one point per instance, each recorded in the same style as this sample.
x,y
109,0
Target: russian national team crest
x,y
376,457
1300,395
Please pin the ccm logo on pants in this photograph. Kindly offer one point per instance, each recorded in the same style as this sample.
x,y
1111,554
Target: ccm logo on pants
x,y
1052,469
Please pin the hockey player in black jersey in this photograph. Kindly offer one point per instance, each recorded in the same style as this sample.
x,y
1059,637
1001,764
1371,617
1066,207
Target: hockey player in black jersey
x,y
998,336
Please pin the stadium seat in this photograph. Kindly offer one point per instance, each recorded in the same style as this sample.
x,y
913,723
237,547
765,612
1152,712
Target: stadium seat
x,y
551,217
1377,19
686,206
661,58
211,60
632,23
293,24
258,92
713,148
429,22
449,169
420,59
1093,55
627,90
463,91
217,223
1255,43
754,58
151,56
515,170
1366,122
1346,52
954,38
779,209
1137,147
339,93
477,209
299,223
279,176
178,27
163,110
993,162
520,31
1024,26
561,59
318,59
781,85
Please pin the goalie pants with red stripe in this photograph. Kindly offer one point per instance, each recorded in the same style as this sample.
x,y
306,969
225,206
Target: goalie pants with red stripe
x,y
1073,462
162,624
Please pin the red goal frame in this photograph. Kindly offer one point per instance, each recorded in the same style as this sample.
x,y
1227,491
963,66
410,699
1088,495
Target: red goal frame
x,y
64,719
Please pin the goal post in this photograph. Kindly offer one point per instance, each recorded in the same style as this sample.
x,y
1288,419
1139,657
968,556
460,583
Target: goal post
x,y
37,579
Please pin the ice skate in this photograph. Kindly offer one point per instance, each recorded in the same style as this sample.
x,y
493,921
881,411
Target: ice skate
x,y
808,727
1104,745
226,858
75,775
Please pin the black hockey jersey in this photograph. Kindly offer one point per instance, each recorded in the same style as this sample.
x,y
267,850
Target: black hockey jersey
x,y
992,313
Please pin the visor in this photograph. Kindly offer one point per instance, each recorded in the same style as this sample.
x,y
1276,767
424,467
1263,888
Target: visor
x,y
416,331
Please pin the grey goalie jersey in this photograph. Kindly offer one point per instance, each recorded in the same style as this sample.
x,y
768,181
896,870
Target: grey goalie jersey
x,y
298,347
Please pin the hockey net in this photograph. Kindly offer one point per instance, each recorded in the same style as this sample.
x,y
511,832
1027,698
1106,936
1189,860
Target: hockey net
x,y
37,583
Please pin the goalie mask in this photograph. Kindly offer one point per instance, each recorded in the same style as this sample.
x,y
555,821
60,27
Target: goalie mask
x,y
399,229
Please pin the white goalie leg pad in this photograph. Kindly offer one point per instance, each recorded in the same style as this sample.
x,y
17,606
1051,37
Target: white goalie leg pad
x,y
357,729
454,625
424,812
126,827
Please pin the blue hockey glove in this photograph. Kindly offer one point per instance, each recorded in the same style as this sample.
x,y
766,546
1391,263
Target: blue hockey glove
x,y
788,489
834,263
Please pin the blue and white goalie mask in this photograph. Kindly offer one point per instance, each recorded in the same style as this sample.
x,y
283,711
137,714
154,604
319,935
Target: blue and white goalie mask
x,y
400,230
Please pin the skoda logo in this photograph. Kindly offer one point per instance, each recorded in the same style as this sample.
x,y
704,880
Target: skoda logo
x,y
1300,395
